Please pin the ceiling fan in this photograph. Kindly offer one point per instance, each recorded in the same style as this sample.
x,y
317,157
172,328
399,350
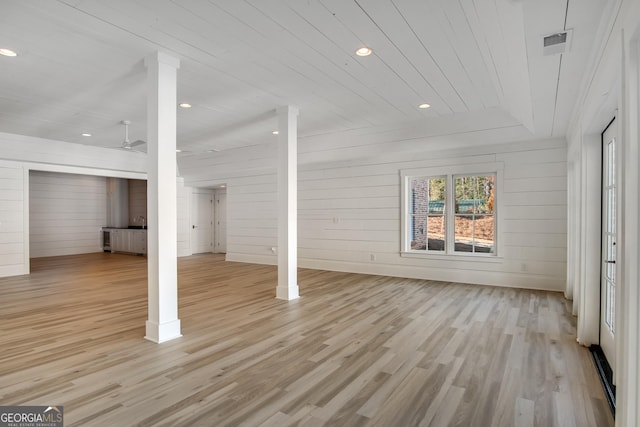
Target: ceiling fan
x,y
126,144
130,145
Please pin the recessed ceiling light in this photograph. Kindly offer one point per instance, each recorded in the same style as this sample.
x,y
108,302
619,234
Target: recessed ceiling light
x,y
184,105
222,186
178,150
363,51
86,134
423,106
275,132
7,52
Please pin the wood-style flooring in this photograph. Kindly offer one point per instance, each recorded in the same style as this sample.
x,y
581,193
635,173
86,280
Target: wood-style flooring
x,y
354,350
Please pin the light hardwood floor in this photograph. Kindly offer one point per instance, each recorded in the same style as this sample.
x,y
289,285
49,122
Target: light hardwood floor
x,y
354,350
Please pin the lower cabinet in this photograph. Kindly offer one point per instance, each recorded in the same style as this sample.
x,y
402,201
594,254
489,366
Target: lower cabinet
x,y
138,241
119,240
131,241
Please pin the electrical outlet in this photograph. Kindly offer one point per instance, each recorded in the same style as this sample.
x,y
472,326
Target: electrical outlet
x,y
373,257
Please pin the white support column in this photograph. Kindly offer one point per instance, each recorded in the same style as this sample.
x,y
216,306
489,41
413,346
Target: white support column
x,y
628,295
163,323
588,327
287,203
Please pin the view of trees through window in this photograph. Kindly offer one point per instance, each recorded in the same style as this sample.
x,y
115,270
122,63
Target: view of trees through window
x,y
474,215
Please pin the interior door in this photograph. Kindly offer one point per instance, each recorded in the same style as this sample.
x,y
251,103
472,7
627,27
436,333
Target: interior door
x,y
202,222
221,223
609,249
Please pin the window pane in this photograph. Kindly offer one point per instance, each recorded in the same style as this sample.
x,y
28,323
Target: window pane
x,y
436,195
464,194
418,212
611,166
435,233
485,198
464,233
612,209
484,233
475,233
426,213
610,312
419,196
416,231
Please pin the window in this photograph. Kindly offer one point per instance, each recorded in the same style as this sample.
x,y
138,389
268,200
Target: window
x,y
475,222
450,213
427,213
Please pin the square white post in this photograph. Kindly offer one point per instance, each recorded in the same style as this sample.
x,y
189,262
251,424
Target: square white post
x,y
163,323
287,203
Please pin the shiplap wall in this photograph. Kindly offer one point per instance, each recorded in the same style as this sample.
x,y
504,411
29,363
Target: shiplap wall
x,y
252,218
252,213
66,213
12,240
70,208
349,211
18,155
50,153
183,195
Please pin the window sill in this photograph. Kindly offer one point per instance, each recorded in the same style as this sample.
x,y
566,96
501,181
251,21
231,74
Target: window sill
x,y
453,257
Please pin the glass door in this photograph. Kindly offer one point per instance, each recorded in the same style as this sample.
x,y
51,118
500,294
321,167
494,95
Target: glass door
x,y
608,278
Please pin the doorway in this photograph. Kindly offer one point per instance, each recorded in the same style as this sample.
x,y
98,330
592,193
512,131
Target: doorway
x,y
209,220
609,240
604,354
202,221
220,222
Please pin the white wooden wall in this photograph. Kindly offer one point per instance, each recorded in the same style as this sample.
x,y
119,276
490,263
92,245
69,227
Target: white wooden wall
x,y
21,154
613,89
66,213
184,215
250,177
12,213
252,218
349,216
51,155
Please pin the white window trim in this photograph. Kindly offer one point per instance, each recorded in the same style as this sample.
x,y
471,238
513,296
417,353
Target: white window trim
x,y
496,168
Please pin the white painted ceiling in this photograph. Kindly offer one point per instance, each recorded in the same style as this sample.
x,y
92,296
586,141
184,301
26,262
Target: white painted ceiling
x,y
479,63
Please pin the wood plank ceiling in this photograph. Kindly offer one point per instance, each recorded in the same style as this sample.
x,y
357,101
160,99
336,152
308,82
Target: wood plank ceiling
x,y
477,62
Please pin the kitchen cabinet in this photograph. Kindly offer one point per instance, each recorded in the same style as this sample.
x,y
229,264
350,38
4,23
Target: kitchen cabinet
x,y
138,241
118,238
131,241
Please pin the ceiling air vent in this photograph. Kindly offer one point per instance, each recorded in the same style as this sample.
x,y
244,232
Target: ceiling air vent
x,y
556,43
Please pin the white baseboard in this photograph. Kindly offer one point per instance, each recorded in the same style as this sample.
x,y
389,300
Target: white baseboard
x,y
162,332
491,278
252,259
184,252
13,270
